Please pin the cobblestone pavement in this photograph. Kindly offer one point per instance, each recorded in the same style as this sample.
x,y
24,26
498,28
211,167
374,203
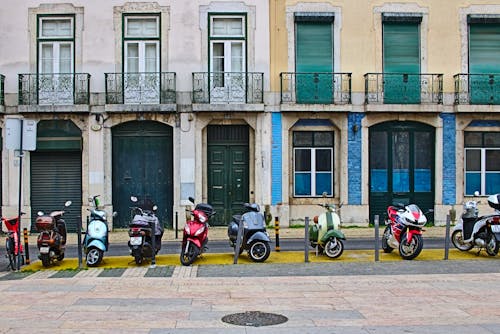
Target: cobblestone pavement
x,y
391,297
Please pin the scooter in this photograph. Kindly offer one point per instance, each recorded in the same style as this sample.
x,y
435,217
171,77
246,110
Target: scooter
x,y
144,230
51,241
325,234
255,239
475,231
195,234
12,245
96,240
404,226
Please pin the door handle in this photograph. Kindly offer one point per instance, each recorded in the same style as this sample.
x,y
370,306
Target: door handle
x,y
216,187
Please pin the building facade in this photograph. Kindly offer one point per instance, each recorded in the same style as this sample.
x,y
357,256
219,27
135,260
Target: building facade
x,y
285,103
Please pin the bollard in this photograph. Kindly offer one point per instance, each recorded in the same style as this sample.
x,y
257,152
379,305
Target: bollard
x,y
306,240
239,238
277,233
447,238
176,225
377,224
153,244
26,250
79,239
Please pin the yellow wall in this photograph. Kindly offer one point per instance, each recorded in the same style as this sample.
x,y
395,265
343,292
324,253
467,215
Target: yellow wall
x,y
361,42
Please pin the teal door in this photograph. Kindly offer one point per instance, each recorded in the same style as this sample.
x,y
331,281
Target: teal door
x,y
314,62
142,166
401,166
484,63
401,50
227,155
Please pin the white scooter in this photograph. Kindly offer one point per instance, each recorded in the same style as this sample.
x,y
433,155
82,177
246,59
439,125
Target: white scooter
x,y
473,230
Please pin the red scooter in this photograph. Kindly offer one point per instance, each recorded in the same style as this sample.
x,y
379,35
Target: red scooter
x,y
195,235
12,246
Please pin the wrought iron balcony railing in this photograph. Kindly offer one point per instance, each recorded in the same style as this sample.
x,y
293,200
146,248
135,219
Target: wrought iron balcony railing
x,y
403,88
54,89
2,94
477,88
315,88
140,88
228,87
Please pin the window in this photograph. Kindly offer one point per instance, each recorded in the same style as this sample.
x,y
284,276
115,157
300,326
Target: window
x,y
313,163
55,43
141,59
482,162
227,47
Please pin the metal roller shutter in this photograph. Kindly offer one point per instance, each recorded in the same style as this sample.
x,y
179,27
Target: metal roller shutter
x,y
56,177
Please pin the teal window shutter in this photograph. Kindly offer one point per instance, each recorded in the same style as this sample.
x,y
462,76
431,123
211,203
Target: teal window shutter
x,y
401,52
484,61
314,62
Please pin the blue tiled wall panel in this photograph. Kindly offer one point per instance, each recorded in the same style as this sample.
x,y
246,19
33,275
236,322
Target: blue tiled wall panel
x,y
276,160
449,158
354,158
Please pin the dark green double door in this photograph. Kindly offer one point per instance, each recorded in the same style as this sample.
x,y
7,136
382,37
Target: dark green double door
x,y
142,166
401,166
227,160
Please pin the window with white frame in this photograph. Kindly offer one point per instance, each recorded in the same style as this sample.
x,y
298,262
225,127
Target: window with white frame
x,y
482,163
142,44
56,44
313,163
227,46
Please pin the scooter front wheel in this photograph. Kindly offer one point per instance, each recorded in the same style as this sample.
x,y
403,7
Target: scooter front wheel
x,y
9,246
189,252
410,250
334,248
94,257
259,250
457,239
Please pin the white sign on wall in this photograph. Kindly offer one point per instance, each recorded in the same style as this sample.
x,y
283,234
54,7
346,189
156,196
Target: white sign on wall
x,y
13,134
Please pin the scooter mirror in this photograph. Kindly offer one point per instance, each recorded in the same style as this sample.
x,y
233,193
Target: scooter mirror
x,y
90,199
68,203
133,199
476,193
191,199
115,214
155,207
39,213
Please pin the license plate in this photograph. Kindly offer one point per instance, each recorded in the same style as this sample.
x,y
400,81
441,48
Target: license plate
x,y
495,228
136,241
44,250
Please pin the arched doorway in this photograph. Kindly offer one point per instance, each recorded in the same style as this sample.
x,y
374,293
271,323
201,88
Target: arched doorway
x,y
56,170
143,167
401,166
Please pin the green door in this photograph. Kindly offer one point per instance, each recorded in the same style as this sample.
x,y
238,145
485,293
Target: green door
x,y
314,62
484,63
227,155
401,166
401,49
142,166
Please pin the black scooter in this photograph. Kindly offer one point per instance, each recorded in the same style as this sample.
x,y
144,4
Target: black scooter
x,y
144,226
255,239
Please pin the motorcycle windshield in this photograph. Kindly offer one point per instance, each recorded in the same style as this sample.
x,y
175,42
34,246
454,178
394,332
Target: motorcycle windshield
x,y
254,220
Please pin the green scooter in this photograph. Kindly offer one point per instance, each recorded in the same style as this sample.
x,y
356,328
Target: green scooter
x,y
325,234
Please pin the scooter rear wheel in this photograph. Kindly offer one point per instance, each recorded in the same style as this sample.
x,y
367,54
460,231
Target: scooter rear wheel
x,y
492,245
385,236
94,257
259,251
189,254
45,259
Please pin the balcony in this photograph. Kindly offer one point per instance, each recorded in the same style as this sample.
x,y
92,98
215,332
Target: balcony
x,y
403,89
55,89
477,89
228,88
2,94
315,88
140,88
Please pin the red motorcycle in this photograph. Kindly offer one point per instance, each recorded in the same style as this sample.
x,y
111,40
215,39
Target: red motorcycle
x,y
195,235
404,226
12,246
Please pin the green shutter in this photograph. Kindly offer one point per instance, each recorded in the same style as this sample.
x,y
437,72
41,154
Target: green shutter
x,y
314,55
484,58
401,48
